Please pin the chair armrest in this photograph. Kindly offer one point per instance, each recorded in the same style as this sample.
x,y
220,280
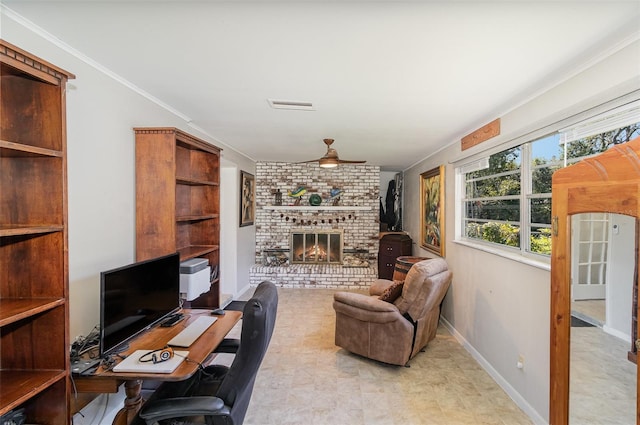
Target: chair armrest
x,y
366,308
365,302
228,345
179,407
379,286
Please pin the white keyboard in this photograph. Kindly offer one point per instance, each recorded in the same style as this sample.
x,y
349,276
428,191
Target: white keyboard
x,y
188,335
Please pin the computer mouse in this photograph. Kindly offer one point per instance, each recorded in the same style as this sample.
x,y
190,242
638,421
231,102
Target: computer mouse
x,y
218,312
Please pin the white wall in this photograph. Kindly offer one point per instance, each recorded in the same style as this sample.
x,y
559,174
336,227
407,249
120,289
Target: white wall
x,y
229,230
498,307
101,113
620,268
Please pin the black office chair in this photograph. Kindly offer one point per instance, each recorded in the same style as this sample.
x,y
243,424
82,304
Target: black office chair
x,y
220,395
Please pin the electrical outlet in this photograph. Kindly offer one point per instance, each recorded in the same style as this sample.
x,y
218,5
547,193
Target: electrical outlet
x,y
520,364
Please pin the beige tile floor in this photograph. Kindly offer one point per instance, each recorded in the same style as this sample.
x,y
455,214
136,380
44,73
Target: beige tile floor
x,y
306,379
603,381
593,311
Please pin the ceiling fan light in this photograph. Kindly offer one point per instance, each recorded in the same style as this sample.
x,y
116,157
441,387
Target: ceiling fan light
x,y
328,162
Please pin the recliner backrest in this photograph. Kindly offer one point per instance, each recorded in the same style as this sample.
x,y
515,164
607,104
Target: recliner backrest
x,y
423,287
258,321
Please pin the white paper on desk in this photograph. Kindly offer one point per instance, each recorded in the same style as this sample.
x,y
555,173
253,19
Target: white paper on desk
x,y
133,364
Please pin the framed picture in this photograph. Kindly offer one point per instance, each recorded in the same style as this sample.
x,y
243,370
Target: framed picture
x,y
432,210
247,198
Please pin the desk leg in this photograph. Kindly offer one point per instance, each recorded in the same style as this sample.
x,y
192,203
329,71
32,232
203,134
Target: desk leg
x,y
132,403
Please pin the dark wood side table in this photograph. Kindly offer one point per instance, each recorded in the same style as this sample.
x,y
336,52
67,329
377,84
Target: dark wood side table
x,y
392,246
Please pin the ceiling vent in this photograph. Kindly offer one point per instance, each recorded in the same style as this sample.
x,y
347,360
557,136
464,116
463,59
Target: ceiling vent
x,y
291,104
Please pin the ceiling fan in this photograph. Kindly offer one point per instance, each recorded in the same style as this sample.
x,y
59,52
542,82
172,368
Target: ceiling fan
x,y
330,159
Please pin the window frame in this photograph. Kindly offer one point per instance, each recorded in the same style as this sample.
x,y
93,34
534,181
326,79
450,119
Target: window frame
x,y
526,169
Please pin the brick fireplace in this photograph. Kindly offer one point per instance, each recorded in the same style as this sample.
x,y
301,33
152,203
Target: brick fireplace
x,y
355,217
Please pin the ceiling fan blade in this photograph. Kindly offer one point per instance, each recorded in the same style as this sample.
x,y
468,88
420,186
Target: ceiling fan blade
x,y
331,159
345,161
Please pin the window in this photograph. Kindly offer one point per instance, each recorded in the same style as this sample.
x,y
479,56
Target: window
x,y
506,199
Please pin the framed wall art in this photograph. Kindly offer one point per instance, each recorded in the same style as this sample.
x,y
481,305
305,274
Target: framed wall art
x,y
432,210
247,198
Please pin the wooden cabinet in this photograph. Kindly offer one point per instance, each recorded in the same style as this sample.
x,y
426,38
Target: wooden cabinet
x,y
178,200
392,246
34,301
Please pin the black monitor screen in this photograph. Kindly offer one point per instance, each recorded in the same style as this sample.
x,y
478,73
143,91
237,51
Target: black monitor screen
x,y
136,296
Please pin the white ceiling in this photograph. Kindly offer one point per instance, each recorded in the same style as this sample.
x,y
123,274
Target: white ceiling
x,y
391,81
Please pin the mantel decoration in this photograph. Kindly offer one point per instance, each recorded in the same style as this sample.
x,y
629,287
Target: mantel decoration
x,y
297,194
334,196
432,210
247,198
315,199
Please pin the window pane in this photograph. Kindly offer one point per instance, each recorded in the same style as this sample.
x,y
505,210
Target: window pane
x,y
546,150
540,240
501,210
495,218
541,211
503,185
546,158
501,233
584,255
597,274
508,160
598,143
583,274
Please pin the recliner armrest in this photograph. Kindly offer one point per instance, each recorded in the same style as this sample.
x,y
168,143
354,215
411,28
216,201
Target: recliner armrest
x,y
365,308
365,302
182,407
378,286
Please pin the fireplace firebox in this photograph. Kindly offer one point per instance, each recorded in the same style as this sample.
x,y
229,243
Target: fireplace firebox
x,y
323,247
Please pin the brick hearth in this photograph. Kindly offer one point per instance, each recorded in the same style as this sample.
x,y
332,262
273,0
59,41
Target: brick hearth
x,y
315,276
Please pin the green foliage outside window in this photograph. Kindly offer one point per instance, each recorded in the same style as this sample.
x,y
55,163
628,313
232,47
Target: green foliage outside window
x,y
494,199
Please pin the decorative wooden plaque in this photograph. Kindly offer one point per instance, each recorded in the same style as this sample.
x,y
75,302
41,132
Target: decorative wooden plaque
x,y
482,134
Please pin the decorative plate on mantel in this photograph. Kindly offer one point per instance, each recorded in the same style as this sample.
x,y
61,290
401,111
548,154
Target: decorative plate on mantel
x,y
315,200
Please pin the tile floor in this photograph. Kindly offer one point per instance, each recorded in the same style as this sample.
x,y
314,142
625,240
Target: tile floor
x,y
603,381
306,379
593,311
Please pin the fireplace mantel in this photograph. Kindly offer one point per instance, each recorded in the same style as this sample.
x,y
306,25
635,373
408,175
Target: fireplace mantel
x,y
318,208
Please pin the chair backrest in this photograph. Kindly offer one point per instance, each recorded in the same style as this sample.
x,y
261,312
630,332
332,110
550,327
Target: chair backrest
x,y
258,320
424,287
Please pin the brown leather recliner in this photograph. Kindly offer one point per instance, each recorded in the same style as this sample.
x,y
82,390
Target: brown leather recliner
x,y
393,332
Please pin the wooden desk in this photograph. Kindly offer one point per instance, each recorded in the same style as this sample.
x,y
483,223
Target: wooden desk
x,y
108,381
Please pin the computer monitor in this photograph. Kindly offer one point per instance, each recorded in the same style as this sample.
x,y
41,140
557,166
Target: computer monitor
x,y
135,297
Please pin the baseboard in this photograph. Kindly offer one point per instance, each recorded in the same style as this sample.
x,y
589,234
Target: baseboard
x,y
225,299
611,331
511,392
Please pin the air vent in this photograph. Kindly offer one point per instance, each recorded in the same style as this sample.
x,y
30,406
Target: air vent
x,y
291,104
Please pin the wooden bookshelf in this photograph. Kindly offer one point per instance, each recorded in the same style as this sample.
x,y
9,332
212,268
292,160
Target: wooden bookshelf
x,y
34,294
178,199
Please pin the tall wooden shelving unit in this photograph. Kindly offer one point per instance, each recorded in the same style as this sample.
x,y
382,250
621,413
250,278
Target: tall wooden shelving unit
x,y
178,200
34,300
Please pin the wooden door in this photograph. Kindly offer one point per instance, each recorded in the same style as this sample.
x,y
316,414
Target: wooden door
x,y
609,182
